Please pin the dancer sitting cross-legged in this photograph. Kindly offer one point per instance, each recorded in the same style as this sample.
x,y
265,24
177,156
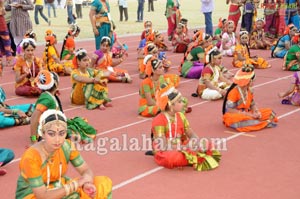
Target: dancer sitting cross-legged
x,y
239,109
292,94
26,69
175,144
213,83
89,85
102,60
242,54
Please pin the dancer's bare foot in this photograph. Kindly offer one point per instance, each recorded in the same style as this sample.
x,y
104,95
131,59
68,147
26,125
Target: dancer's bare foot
x,y
2,172
107,104
102,107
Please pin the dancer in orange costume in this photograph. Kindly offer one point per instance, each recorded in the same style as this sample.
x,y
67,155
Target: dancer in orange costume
x,y
239,109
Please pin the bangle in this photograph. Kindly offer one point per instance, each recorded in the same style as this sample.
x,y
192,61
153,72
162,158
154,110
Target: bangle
x,y
67,189
33,138
75,185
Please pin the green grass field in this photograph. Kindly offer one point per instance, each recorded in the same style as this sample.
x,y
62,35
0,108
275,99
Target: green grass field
x,y
190,9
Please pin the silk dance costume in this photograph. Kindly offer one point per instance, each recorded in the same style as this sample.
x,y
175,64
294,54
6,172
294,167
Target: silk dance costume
x,y
292,58
239,109
173,127
242,50
270,14
194,58
292,96
9,113
92,94
150,85
31,66
51,172
101,20
234,13
51,56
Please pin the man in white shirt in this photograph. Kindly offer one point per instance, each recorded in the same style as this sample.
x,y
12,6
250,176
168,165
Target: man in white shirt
x,y
123,8
207,8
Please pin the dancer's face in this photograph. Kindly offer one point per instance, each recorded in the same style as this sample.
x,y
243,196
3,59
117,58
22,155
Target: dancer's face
x,y
230,28
84,62
259,25
217,60
105,47
244,39
29,51
54,135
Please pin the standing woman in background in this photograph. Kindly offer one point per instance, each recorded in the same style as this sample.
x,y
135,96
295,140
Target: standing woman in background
x,y
171,17
4,37
20,19
7,20
100,20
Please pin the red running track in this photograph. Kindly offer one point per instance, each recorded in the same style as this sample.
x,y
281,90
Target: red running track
x,y
263,164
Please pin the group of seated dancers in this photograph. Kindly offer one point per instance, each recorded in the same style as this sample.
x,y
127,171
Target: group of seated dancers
x,y
159,98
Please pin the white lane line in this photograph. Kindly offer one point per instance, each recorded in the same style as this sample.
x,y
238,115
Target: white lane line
x,y
126,182
147,173
122,127
289,113
131,124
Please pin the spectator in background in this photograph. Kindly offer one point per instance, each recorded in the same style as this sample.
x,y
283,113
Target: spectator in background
x,y
4,38
69,5
7,19
140,11
170,14
123,9
50,4
59,3
20,19
39,6
207,8
101,20
78,8
150,5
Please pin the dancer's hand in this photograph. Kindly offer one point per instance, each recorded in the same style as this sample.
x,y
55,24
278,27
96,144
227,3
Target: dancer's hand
x,y
89,189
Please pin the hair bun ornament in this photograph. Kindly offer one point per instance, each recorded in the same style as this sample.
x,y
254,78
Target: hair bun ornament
x,y
209,52
244,75
27,40
74,29
30,34
162,94
44,80
243,32
261,19
80,51
183,21
147,58
49,32
105,37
